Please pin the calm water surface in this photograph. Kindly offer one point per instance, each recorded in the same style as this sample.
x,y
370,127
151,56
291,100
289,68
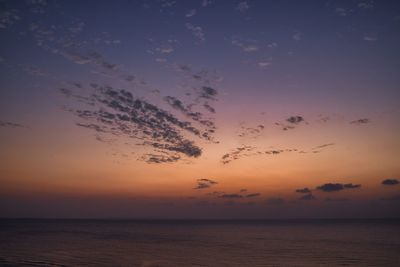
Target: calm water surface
x,y
199,243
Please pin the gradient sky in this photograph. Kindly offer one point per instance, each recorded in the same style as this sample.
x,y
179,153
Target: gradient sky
x,y
200,109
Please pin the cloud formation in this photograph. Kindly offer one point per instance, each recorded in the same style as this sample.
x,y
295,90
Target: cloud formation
x,y
197,32
390,182
243,6
205,183
361,121
250,132
323,146
8,18
304,190
248,151
191,13
291,122
247,45
11,124
116,112
295,119
333,187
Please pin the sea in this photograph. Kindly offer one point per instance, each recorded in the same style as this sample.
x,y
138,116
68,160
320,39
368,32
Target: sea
x,y
77,242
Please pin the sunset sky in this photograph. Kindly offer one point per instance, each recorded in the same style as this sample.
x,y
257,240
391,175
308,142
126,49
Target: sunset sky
x,y
200,109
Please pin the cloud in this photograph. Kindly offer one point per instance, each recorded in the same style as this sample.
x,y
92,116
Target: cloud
x,y
250,132
247,151
341,11
369,38
190,13
205,183
209,126
11,124
247,45
32,70
275,201
206,3
390,182
165,49
208,92
168,3
208,107
291,122
323,146
297,36
333,187
161,60
185,147
117,112
264,64
216,193
62,41
272,45
319,148
368,4
330,187
351,186
8,18
197,31
307,197
236,153
295,119
78,27
37,6
361,121
243,6
250,48
153,158
203,87
304,190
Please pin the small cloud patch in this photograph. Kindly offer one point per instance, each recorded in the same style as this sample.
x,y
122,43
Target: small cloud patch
x,y
205,183
390,182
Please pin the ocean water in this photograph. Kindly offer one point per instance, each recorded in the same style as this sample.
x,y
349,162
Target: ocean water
x,y
199,243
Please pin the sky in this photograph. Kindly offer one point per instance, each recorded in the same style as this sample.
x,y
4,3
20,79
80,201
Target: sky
x,y
201,109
